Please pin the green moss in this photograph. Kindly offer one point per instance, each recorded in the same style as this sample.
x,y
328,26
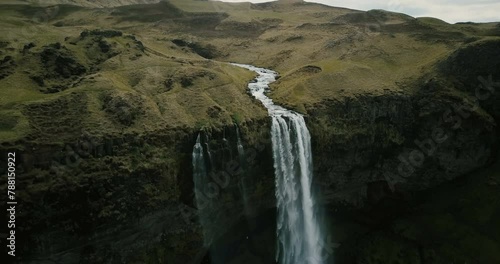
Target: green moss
x,y
8,121
237,119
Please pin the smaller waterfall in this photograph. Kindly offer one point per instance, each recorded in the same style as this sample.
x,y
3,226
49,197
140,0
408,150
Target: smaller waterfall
x,y
209,153
244,180
241,151
201,183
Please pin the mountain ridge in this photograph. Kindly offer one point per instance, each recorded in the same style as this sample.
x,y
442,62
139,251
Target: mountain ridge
x,y
84,3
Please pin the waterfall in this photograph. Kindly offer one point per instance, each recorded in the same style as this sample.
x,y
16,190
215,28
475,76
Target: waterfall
x,y
209,153
241,151
298,229
202,183
243,185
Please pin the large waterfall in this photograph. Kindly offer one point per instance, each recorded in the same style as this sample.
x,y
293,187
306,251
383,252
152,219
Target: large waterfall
x,y
298,229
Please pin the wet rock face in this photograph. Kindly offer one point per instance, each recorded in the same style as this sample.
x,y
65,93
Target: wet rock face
x,y
477,71
134,193
354,135
477,59
366,146
396,143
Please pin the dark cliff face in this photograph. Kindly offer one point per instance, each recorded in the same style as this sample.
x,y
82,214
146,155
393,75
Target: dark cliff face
x,y
149,203
475,69
387,164
405,143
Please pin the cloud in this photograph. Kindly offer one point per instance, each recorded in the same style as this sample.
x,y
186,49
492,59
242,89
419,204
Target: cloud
x,y
451,11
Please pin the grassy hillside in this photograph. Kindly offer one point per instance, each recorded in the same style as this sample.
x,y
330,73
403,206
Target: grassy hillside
x,y
121,81
162,63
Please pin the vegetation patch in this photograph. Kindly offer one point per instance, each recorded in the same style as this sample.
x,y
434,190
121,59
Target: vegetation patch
x,y
59,66
208,51
101,33
7,66
57,119
188,77
124,109
8,121
214,111
58,69
60,62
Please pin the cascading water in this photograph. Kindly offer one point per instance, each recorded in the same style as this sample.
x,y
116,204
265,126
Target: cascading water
x,y
244,177
201,182
207,140
298,229
241,151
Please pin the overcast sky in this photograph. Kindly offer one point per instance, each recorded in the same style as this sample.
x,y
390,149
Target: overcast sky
x,y
450,11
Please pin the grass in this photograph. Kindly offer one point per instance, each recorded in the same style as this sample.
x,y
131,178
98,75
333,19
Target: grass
x,y
12,125
148,13
353,58
374,66
144,76
246,12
